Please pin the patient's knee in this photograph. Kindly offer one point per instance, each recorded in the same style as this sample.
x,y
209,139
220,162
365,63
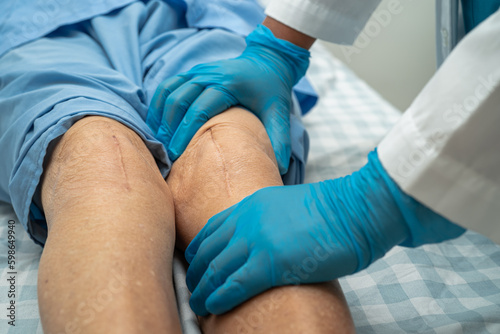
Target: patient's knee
x,y
98,139
239,132
229,158
233,144
225,153
97,154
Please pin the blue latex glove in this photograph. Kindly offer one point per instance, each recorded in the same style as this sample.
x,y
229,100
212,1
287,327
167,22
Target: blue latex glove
x,y
261,80
305,234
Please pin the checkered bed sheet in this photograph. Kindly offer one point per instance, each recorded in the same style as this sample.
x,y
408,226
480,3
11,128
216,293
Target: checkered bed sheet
x,y
453,287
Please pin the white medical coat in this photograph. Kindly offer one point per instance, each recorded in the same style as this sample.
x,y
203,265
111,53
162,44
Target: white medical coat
x,y
445,150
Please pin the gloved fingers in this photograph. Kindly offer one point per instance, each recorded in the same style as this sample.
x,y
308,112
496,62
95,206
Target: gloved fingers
x,y
230,260
209,249
176,105
210,103
155,111
276,120
245,283
208,69
210,227
164,134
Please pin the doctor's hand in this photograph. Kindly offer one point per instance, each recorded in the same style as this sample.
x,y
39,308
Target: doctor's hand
x,y
305,234
260,79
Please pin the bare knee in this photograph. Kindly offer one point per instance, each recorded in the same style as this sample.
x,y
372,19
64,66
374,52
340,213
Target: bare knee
x,y
232,146
230,157
97,154
95,137
238,128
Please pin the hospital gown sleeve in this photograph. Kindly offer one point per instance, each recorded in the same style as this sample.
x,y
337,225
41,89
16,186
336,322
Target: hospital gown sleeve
x,y
337,21
444,150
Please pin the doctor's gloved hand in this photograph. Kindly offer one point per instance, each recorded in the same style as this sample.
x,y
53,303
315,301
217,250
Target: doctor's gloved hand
x,y
305,234
260,79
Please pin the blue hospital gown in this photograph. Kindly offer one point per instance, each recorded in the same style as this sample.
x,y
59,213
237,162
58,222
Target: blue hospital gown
x,y
61,60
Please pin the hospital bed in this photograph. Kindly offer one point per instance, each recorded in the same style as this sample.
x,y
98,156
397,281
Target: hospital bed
x,y
453,287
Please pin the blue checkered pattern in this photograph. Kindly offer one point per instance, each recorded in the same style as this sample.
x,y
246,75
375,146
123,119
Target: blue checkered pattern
x,y
453,287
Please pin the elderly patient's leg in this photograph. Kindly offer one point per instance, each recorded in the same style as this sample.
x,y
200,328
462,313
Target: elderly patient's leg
x,y
229,158
106,265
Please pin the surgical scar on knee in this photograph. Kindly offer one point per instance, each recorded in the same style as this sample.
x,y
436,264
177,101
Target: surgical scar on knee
x,y
229,158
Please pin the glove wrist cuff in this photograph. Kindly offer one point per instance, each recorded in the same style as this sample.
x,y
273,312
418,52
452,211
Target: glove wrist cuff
x,y
423,224
367,211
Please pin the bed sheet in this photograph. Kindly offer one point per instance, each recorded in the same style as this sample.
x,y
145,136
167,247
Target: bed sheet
x,y
453,287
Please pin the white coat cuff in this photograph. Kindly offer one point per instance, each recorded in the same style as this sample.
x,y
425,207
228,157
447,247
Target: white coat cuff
x,y
444,150
337,21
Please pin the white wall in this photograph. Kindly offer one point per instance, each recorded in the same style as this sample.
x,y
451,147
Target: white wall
x,y
395,53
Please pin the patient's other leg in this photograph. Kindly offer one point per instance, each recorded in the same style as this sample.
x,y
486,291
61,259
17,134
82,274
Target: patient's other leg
x,y
229,158
106,265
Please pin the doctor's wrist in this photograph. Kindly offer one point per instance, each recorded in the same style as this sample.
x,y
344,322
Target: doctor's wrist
x,y
289,34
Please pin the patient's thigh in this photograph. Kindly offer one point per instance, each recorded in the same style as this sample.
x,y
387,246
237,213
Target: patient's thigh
x,y
229,158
